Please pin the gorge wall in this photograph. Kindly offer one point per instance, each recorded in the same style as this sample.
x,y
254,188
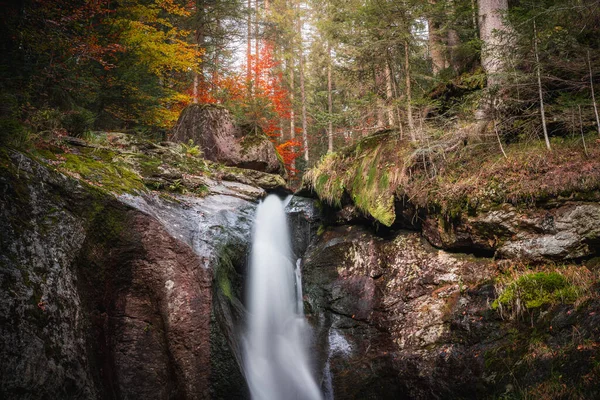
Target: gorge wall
x,y
111,293
108,296
517,317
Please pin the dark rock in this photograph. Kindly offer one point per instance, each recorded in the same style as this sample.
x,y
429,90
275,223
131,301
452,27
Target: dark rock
x,y
106,297
395,317
221,140
304,221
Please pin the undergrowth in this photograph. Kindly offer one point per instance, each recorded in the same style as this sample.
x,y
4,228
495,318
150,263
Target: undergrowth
x,y
455,174
521,291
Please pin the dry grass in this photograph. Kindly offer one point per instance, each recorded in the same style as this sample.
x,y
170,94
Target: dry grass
x,y
455,173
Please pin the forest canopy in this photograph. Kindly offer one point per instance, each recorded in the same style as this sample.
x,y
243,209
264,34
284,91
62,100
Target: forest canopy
x,y
312,75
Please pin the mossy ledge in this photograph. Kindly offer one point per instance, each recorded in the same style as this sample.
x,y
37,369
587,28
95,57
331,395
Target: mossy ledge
x,y
382,169
119,163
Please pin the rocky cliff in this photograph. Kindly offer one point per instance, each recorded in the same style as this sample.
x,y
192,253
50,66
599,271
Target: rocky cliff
x,y
425,286
122,266
111,289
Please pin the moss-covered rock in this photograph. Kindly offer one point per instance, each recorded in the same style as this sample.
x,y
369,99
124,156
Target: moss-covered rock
x,y
222,140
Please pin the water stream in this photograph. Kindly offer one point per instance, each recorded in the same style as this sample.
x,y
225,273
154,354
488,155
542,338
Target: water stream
x,y
276,360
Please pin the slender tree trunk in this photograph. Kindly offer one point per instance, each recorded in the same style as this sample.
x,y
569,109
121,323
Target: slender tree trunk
x,y
541,92
581,130
303,93
303,99
195,88
256,45
409,115
452,38
329,102
292,113
498,137
453,43
389,94
474,16
592,90
199,74
215,73
400,125
249,44
436,47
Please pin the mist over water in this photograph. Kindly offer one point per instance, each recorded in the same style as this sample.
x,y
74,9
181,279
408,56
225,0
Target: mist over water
x,y
276,361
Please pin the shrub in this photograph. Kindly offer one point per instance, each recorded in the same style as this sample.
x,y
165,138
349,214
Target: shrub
x,y
13,133
45,120
78,122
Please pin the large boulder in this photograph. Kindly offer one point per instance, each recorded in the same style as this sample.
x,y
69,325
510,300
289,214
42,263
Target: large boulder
x,y
213,128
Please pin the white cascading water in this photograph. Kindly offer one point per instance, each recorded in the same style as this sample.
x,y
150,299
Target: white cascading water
x,y
276,360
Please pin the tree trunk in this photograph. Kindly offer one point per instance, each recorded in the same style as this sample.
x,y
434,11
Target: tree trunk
x,y
474,16
256,46
292,113
303,94
249,44
453,43
200,44
409,115
491,22
389,95
436,47
329,102
593,95
303,99
195,88
541,92
581,130
395,87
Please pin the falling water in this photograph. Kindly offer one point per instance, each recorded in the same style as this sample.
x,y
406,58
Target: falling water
x,y
276,359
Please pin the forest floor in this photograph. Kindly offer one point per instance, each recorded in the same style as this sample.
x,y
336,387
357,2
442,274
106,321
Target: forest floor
x,y
455,176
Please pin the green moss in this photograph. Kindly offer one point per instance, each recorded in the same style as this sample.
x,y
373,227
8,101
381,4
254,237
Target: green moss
x,y
149,166
109,176
321,181
363,171
202,190
224,272
536,290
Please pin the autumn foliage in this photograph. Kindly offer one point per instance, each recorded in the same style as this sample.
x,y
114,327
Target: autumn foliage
x,y
260,100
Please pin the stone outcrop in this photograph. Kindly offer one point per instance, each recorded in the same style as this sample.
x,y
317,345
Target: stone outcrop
x,y
109,296
397,318
222,140
567,231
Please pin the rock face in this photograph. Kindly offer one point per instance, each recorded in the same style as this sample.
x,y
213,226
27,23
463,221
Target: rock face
x,y
214,130
115,296
569,231
111,298
396,318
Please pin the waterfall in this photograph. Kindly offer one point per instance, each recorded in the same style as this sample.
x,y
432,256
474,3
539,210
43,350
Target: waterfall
x,y
276,361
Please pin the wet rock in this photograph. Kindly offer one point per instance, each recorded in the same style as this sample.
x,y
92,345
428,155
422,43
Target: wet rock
x,y
390,300
109,296
304,219
221,140
417,321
